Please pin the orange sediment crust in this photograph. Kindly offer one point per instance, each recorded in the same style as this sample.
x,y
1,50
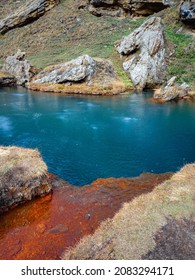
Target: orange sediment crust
x,y
45,227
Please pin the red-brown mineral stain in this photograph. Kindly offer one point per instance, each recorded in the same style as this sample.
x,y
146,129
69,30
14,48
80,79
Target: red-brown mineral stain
x,y
45,227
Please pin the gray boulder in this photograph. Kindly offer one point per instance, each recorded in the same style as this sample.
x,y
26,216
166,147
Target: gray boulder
x,y
19,67
172,91
75,70
144,54
29,12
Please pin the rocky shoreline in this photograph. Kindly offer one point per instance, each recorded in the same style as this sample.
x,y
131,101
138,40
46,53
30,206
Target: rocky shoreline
x,y
152,207
143,55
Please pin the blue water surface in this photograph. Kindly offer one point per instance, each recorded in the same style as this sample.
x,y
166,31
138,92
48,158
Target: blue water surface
x,y
82,138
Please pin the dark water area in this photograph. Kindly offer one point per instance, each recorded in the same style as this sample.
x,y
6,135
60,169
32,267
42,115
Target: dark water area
x,y
82,138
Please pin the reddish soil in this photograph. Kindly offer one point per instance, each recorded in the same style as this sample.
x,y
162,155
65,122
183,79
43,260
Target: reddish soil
x,y
45,227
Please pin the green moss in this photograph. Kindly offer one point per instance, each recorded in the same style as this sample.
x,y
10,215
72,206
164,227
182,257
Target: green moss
x,y
182,64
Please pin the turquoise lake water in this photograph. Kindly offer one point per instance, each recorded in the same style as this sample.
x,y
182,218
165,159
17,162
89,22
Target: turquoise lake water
x,y
82,138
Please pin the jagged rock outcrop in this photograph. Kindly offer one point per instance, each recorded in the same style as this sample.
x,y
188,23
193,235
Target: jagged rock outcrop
x,y
125,7
171,91
81,75
19,67
7,79
187,12
29,12
23,176
144,54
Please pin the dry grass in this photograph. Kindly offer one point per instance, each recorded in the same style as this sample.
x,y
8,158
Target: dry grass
x,y
20,165
5,75
115,88
130,234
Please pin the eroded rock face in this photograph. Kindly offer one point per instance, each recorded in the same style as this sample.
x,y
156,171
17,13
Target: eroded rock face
x,y
19,67
144,54
187,12
172,91
23,176
125,7
29,12
7,79
81,75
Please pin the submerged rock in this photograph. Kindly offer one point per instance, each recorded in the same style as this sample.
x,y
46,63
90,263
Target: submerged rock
x,y
171,91
19,67
81,75
29,12
23,176
144,54
7,79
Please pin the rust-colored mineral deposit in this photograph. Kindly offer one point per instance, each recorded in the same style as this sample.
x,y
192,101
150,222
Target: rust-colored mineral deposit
x,y
43,228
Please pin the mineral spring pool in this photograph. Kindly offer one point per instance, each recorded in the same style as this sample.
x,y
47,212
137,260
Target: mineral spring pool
x,y
82,138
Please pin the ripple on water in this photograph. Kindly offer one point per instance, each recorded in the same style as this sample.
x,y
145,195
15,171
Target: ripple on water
x,y
128,119
37,115
5,124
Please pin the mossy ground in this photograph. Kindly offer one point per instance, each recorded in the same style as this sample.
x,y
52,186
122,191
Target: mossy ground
x,y
66,32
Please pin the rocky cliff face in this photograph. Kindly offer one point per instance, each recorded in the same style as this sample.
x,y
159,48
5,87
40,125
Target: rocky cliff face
x,y
144,54
29,12
125,7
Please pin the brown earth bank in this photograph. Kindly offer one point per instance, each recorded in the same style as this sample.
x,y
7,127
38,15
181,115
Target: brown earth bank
x,y
43,228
